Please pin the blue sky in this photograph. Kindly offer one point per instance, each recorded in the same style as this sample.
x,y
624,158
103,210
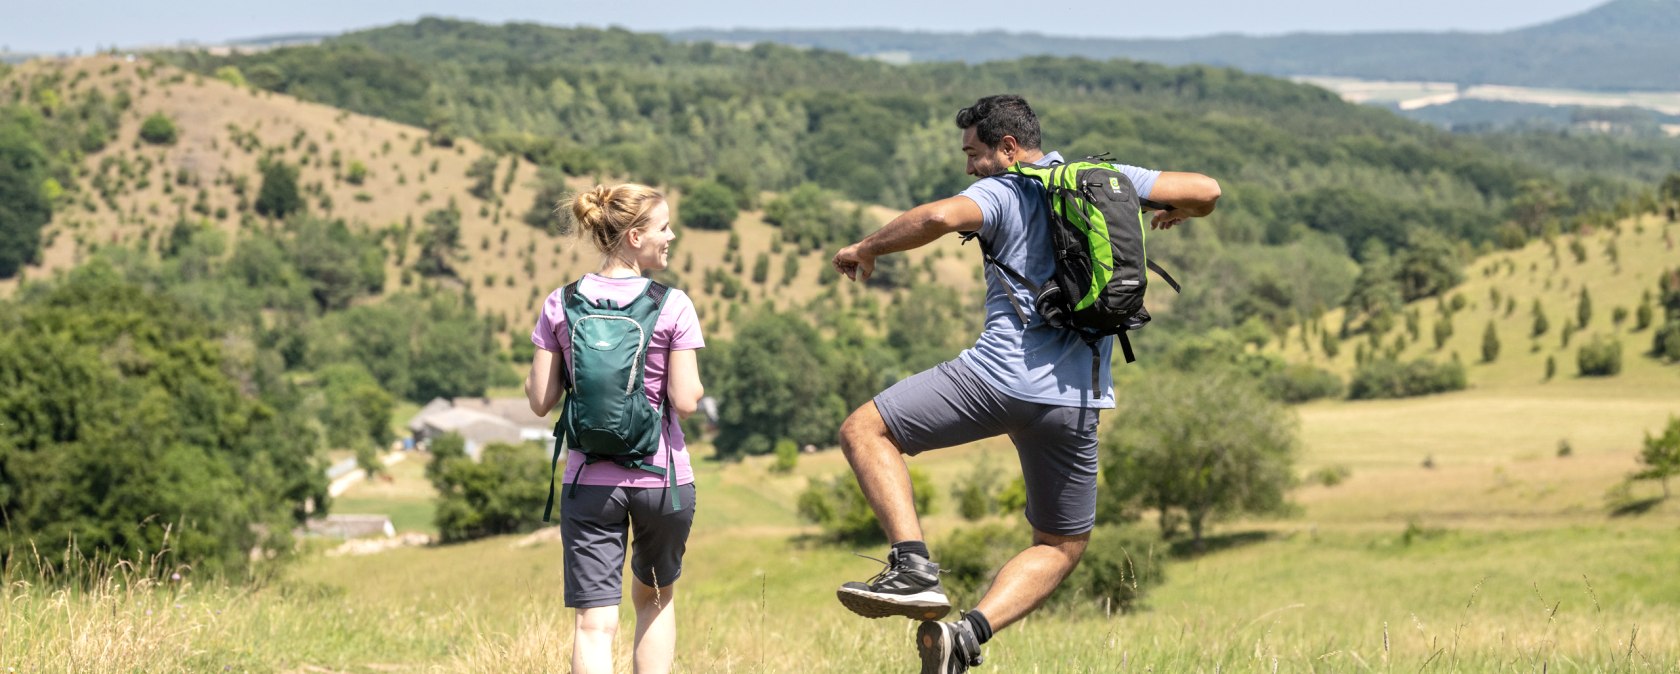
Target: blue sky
x,y
68,25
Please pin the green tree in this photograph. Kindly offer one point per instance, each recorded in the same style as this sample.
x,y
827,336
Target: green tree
x,y
503,492
1200,446
231,75
1428,266
709,205
1490,343
1541,325
1661,455
339,265
158,129
482,172
133,432
278,197
355,411
24,209
440,242
1583,309
761,268
356,173
1602,357
776,382
1375,295
547,212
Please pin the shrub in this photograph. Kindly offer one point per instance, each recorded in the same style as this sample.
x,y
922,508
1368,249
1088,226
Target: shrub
x,y
1330,476
502,493
1601,357
158,129
838,506
787,456
709,205
976,492
1388,378
357,173
1120,565
1300,383
1666,343
278,196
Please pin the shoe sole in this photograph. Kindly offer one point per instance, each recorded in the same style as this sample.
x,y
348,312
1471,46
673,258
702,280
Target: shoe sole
x,y
935,649
872,605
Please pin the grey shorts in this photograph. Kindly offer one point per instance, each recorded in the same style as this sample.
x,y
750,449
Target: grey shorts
x,y
948,405
593,528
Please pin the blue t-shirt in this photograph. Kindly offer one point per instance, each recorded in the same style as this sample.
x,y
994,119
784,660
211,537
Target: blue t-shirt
x,y
1038,364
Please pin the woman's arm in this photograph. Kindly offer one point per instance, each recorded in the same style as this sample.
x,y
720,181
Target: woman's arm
x,y
542,385
683,388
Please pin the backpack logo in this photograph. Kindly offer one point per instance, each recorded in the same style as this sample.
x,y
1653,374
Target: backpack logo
x,y
1114,185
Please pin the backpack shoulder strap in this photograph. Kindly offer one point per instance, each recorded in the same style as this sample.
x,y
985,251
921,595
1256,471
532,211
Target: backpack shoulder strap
x,y
657,291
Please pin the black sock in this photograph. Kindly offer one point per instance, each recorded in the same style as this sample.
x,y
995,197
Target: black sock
x,y
911,547
977,621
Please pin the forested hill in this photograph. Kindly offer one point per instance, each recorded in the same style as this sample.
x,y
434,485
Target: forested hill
x,y
1305,174
1624,44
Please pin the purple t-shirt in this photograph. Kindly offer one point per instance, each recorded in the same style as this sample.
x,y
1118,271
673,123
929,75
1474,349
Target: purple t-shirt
x,y
678,329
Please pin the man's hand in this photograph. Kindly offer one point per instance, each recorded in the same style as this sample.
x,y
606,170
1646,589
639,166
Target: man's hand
x,y
1166,219
854,263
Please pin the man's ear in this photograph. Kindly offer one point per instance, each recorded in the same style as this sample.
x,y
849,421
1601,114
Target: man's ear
x,y
1008,145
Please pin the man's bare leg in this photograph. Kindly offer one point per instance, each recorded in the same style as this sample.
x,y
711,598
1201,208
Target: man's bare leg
x,y
881,472
1030,576
910,586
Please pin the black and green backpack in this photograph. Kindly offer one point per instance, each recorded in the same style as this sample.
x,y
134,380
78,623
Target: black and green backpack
x,y
1097,230
606,414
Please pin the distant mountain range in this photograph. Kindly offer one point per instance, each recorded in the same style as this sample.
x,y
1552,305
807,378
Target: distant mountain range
x,y
1621,45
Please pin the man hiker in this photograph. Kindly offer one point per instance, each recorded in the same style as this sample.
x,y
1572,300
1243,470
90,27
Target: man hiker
x,y
1023,377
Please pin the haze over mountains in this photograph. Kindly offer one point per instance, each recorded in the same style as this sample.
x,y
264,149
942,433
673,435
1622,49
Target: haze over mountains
x,y
1621,45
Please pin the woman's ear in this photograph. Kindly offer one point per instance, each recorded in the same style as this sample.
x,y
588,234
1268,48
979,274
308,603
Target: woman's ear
x,y
634,237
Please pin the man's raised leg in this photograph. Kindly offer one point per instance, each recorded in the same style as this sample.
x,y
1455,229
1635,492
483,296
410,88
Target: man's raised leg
x,y
909,586
881,473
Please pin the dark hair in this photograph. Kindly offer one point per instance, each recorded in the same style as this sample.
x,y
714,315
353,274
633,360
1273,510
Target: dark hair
x,y
1002,115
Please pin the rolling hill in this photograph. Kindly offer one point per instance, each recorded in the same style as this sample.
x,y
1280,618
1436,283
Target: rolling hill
x,y
1621,45
210,173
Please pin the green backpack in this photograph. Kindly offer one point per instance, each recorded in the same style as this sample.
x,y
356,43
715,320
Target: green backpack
x,y
1097,230
606,414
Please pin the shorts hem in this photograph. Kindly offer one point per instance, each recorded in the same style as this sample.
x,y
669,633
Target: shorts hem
x,y
594,602
1066,531
669,583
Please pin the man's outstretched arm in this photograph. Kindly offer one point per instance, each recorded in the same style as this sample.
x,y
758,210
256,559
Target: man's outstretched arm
x,y
917,227
1192,195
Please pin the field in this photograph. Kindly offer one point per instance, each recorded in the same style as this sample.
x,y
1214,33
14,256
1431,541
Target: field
x,y
1503,557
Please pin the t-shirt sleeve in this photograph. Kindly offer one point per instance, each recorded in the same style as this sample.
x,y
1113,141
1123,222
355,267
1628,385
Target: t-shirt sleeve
x,y
990,194
546,335
1143,179
685,330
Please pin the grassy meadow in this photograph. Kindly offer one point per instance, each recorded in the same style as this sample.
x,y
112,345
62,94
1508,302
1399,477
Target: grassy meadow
x,y
1503,557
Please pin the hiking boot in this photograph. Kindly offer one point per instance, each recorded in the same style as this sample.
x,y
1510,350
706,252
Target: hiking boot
x,y
908,587
947,648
